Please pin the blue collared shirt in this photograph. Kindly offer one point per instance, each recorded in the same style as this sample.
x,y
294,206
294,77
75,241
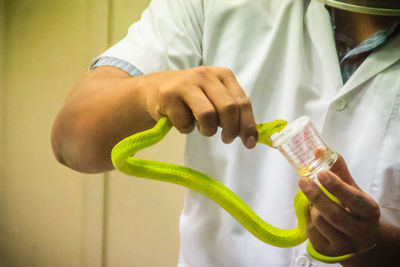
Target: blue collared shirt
x,y
352,56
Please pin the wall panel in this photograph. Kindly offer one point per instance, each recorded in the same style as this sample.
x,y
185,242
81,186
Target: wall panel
x,y
2,46
49,215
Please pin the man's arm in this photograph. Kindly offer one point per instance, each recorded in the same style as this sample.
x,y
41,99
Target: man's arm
x,y
108,105
353,227
90,122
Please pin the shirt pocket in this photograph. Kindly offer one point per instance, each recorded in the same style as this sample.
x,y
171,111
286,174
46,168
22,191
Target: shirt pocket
x,y
386,181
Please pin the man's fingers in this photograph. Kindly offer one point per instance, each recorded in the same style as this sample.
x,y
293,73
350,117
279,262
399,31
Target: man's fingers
x,y
354,199
226,106
180,116
317,239
248,128
203,110
332,235
206,96
335,214
341,170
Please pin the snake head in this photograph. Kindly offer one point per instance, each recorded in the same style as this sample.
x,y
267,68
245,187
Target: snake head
x,y
266,130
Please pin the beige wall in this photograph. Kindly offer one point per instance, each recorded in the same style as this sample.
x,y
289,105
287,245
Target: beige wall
x,y
143,216
50,215
2,32
43,206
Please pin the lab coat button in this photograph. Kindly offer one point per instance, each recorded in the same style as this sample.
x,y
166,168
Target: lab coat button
x,y
303,261
340,104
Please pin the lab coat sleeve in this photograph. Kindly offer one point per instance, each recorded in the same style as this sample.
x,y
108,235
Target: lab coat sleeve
x,y
168,36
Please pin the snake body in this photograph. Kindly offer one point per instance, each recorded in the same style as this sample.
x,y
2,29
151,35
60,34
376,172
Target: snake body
x,y
123,159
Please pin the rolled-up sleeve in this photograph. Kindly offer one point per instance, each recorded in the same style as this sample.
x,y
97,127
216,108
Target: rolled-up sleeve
x,y
118,63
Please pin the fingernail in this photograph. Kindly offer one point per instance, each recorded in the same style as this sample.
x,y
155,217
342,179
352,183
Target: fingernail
x,y
251,142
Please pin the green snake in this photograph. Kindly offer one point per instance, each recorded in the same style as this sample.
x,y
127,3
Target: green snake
x,y
123,159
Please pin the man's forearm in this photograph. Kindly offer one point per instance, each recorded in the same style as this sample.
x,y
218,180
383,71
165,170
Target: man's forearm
x,y
106,106
385,253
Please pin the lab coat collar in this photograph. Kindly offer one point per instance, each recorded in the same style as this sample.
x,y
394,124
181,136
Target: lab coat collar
x,y
378,61
319,25
320,30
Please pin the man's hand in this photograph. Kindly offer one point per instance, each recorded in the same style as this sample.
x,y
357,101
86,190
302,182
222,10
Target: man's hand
x,y
338,229
206,96
108,105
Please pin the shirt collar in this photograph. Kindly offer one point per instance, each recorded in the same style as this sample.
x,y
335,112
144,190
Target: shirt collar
x,y
374,41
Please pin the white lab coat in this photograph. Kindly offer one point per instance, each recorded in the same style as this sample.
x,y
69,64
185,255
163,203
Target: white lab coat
x,y
283,55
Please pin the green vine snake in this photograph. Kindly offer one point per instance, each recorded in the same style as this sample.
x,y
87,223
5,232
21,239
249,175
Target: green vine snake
x,y
123,159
